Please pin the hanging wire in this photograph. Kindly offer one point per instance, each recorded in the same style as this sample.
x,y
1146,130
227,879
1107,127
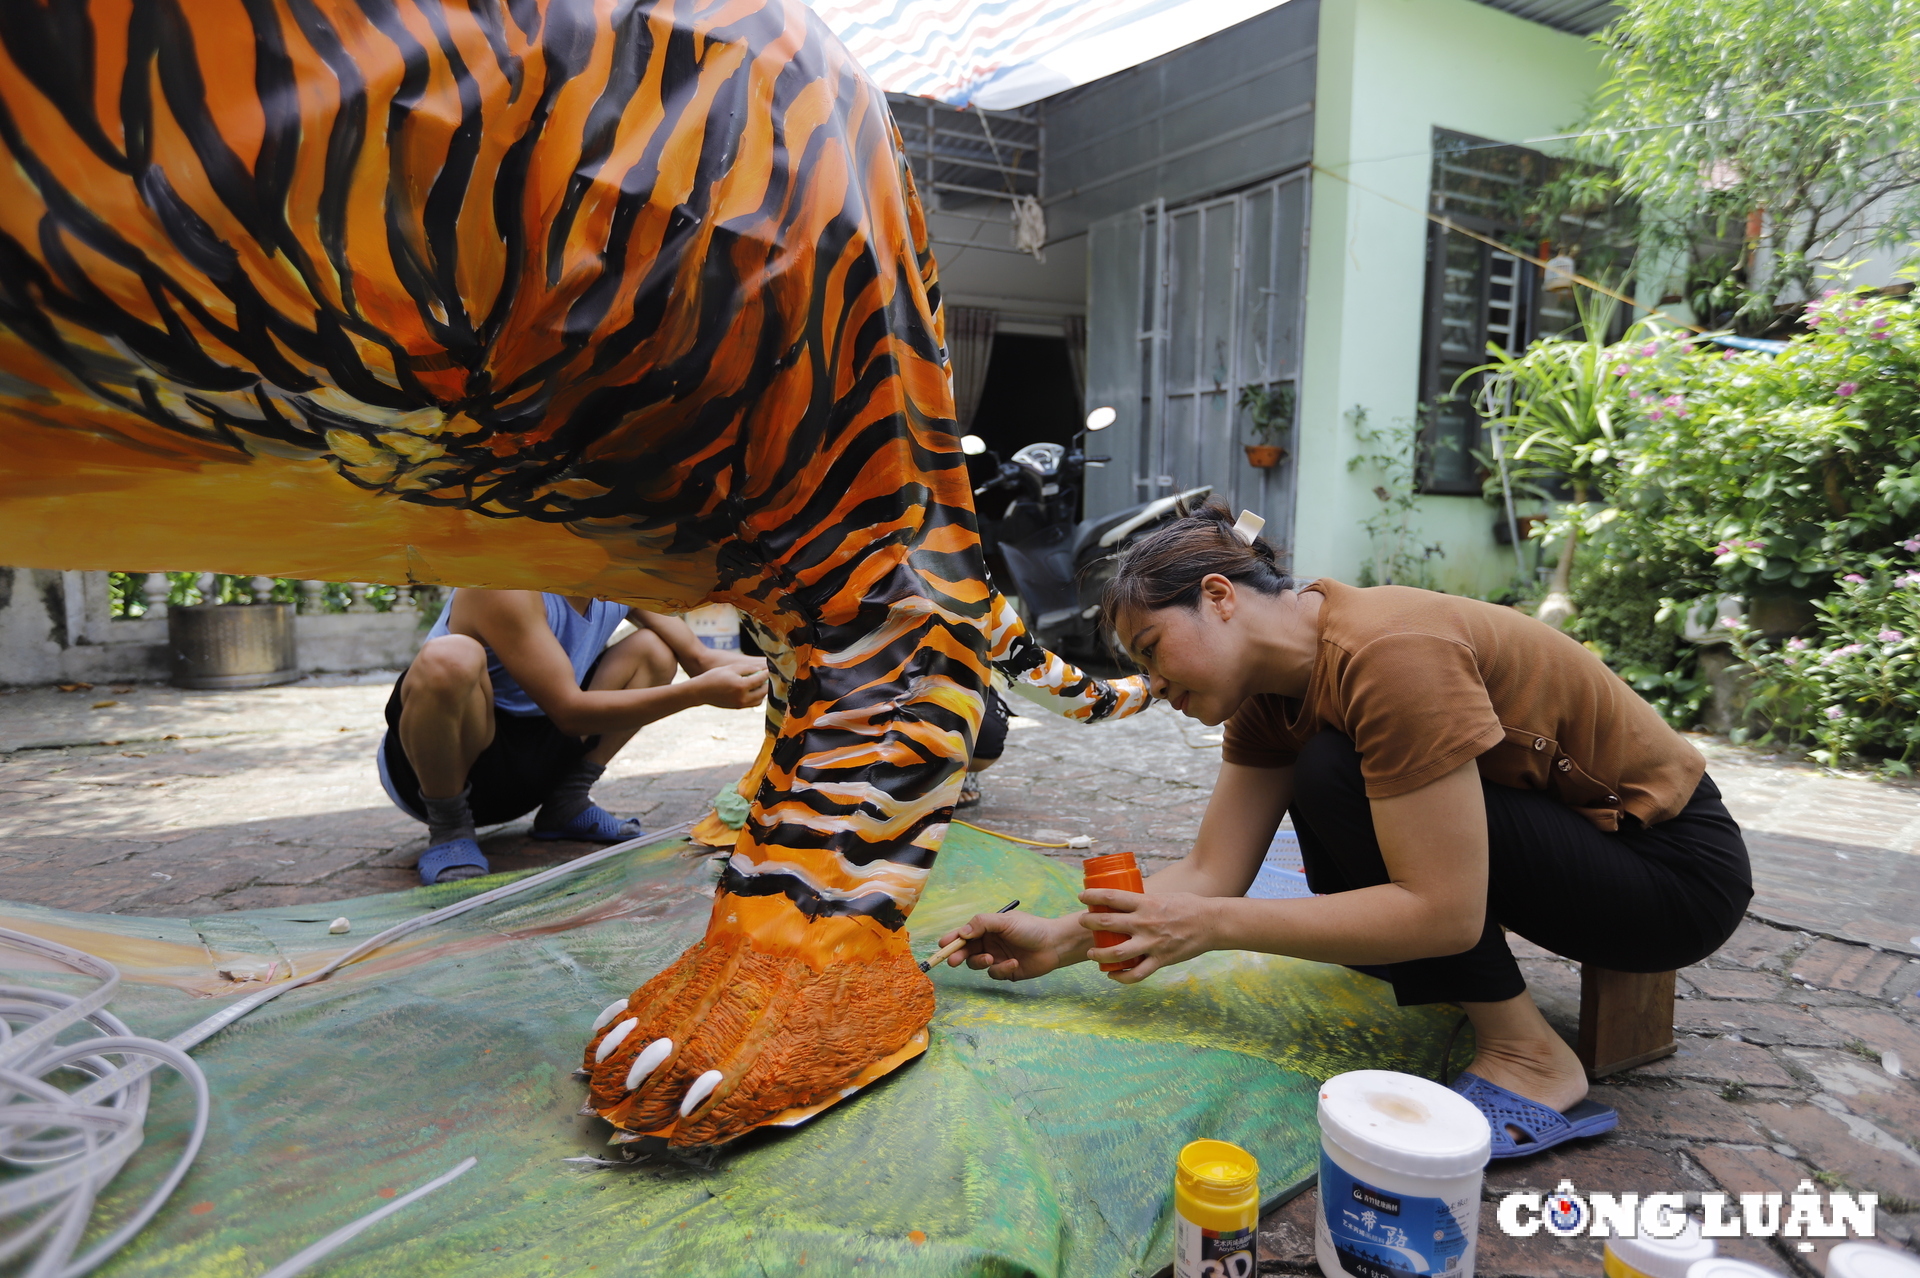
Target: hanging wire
x,y
1443,220
1029,219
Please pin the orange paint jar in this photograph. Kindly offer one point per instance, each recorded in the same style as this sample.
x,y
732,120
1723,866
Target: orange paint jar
x,y
1120,872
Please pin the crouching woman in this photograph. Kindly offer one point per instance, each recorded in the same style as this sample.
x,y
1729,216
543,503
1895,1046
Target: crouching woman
x,y
1451,767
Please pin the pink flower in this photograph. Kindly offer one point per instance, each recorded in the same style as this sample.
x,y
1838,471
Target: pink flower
x,y
1673,401
1754,545
1655,414
1846,388
1619,370
1854,579
1879,323
1911,579
1649,350
1911,544
1797,645
1880,337
1889,636
1834,712
1814,322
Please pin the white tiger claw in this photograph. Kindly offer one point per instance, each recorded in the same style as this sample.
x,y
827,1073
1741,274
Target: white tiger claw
x,y
702,1088
614,1038
649,1060
608,1012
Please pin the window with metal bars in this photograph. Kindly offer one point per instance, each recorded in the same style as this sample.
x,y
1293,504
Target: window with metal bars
x,y
1479,294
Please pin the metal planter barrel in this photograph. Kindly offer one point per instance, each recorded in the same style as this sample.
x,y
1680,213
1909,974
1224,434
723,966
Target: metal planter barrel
x,y
232,645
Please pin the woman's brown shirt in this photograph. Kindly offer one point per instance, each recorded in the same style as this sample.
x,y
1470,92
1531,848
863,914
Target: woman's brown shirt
x,y
1422,682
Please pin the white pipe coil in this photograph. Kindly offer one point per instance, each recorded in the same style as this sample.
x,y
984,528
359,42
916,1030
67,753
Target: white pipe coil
x,y
70,1145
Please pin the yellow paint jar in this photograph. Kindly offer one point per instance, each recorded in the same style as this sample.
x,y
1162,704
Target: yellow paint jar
x,y
1649,1257
1216,1211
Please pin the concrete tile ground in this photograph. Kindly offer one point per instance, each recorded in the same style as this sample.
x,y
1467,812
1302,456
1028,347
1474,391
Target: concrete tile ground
x,y
1800,1038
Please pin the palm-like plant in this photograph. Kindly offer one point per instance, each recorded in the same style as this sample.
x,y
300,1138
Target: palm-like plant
x,y
1559,411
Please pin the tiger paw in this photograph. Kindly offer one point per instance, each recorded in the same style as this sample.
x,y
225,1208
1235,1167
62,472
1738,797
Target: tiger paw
x,y
743,1027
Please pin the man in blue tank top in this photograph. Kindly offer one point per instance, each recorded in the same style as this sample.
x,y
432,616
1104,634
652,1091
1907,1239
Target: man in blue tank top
x,y
516,702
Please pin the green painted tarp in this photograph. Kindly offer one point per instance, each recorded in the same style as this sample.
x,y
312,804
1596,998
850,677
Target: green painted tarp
x,y
1035,1136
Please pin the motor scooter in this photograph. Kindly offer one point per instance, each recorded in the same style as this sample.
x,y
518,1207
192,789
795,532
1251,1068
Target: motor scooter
x,y
1051,564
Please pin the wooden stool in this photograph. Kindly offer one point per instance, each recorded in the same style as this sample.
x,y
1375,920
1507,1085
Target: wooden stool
x,y
1626,1019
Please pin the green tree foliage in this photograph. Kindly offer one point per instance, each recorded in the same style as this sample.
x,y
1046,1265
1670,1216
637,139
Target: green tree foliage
x,y
127,592
1808,112
1786,471
1745,473
1559,414
1393,455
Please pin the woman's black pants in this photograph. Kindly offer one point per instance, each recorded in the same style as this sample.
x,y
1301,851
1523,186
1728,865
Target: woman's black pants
x,y
1647,899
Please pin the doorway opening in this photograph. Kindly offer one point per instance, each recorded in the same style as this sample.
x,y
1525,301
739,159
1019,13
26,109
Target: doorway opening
x,y
1030,394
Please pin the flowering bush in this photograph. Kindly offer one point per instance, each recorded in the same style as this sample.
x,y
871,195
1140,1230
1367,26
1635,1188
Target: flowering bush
x,y
1754,474
1853,688
1782,470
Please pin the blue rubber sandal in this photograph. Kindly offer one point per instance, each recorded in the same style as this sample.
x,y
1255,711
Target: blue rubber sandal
x,y
437,860
1540,1127
593,825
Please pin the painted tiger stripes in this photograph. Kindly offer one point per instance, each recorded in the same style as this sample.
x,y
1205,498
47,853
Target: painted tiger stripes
x,y
621,298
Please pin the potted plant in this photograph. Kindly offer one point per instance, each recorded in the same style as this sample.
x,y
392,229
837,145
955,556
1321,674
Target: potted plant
x,y
1269,412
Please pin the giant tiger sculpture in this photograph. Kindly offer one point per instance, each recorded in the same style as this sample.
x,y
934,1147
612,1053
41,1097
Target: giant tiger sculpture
x,y
625,298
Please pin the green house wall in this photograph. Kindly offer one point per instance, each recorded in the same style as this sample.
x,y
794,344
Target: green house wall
x,y
1389,71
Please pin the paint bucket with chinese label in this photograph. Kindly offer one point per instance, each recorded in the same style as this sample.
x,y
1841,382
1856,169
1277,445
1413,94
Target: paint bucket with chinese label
x,y
1216,1211
716,625
1644,1256
1401,1161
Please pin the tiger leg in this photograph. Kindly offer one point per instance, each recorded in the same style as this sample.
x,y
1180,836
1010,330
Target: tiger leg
x,y
1041,676
1050,681
806,976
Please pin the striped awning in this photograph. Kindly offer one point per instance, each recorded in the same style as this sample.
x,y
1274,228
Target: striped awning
x,y
1001,54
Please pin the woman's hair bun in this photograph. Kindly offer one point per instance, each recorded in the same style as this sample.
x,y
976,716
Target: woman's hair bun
x,y
1164,569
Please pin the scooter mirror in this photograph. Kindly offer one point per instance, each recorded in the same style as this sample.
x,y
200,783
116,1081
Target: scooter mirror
x,y
1101,418
972,445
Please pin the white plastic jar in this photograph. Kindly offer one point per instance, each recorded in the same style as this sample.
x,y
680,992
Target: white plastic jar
x,y
1728,1267
1871,1260
1400,1177
1644,1256
1401,1161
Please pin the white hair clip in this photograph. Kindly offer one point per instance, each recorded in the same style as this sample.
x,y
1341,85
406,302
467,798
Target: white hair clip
x,y
1248,526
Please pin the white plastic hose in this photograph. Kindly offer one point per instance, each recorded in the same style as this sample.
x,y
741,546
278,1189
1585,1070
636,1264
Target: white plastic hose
x,y
72,1144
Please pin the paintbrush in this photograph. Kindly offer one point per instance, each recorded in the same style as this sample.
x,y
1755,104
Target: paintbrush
x,y
951,947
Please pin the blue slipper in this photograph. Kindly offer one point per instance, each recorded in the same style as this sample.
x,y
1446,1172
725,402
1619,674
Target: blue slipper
x,y
437,860
593,825
1540,1127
